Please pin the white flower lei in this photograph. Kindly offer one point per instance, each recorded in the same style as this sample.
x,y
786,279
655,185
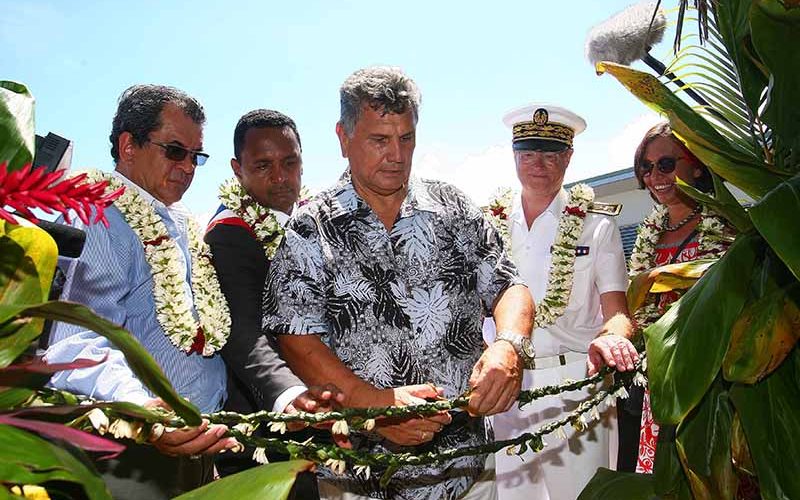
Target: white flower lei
x,y
260,218
570,227
173,311
712,242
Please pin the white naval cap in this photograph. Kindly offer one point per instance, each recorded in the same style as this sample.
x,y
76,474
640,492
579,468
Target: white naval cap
x,y
543,127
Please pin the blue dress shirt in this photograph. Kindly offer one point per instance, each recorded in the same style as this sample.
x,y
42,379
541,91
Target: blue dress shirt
x,y
112,277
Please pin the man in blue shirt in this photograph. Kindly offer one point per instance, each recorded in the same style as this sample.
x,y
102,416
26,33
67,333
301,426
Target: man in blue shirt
x,y
156,144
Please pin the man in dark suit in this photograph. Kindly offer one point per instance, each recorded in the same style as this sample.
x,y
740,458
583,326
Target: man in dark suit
x,y
243,236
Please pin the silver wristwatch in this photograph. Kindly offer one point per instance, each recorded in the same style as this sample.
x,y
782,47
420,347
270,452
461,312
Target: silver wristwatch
x,y
521,344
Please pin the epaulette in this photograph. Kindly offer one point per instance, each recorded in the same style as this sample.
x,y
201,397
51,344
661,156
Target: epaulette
x,y
598,207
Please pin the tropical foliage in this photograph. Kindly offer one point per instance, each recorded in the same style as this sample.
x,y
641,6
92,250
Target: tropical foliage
x,y
36,448
723,362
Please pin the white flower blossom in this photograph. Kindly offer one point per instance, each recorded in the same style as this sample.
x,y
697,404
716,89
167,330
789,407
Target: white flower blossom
x,y
369,424
277,427
337,466
362,470
340,427
99,420
123,429
260,218
245,428
173,306
260,456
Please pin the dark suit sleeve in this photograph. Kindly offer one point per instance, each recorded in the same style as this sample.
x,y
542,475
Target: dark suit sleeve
x,y
251,357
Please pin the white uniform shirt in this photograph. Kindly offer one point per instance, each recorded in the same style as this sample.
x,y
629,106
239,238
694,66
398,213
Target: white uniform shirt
x,y
602,270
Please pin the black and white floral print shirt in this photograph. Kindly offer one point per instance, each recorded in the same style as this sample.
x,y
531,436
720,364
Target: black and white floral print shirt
x,y
398,307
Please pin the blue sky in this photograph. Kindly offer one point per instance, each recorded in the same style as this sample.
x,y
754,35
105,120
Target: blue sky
x,y
472,60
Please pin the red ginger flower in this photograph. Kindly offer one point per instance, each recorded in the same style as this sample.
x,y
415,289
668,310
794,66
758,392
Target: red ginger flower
x,y
29,188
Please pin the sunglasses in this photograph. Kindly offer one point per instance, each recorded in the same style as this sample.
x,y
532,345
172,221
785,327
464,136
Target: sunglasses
x,y
665,165
174,152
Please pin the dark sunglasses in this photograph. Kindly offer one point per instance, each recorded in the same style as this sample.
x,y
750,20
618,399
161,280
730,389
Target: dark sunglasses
x,y
174,152
665,165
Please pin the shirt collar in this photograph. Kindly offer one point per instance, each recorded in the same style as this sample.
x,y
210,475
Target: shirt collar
x,y
176,208
554,208
347,199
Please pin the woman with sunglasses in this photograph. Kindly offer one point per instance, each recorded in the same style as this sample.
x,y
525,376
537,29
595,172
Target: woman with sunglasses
x,y
677,230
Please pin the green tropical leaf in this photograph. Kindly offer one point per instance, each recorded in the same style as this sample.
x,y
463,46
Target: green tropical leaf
x,y
686,346
273,481
733,22
763,335
775,217
28,264
140,361
17,136
735,164
28,459
668,475
607,484
12,397
722,202
769,416
704,446
775,32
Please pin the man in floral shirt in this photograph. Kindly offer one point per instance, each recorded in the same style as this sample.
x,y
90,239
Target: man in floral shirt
x,y
381,288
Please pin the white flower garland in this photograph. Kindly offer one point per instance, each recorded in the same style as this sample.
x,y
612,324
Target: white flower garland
x,y
261,220
712,242
173,311
570,227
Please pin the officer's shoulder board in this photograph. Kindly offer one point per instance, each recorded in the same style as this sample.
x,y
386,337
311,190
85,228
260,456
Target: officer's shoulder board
x,y
598,207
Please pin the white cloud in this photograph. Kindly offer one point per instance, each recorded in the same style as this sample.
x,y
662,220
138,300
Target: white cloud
x,y
477,174
597,157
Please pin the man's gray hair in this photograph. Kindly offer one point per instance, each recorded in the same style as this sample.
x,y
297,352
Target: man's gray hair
x,y
384,88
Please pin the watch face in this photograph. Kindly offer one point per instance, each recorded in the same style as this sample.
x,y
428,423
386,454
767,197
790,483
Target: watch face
x,y
527,348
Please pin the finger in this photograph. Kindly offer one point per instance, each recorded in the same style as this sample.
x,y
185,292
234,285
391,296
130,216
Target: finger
x,y
200,443
223,444
304,402
607,353
176,437
441,419
507,393
626,360
424,391
342,441
476,372
593,362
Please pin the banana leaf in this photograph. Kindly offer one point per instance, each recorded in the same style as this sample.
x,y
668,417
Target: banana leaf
x,y
704,446
769,416
775,32
762,337
685,348
273,481
607,484
28,459
661,279
775,217
17,136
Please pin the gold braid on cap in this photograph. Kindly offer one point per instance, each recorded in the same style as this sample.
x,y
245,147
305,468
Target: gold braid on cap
x,y
549,131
